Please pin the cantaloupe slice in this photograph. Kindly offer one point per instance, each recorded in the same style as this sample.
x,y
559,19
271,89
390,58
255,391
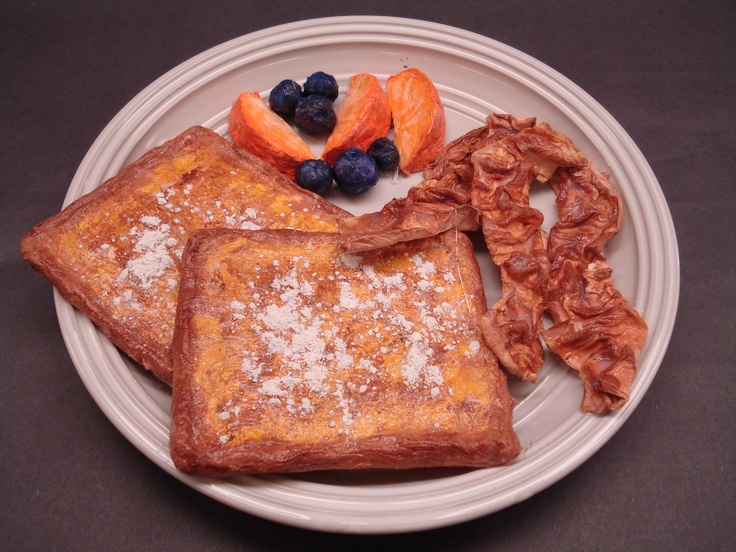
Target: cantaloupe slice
x,y
418,118
261,131
363,116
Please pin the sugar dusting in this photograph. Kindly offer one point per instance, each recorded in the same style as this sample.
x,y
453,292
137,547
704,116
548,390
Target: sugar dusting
x,y
314,350
152,255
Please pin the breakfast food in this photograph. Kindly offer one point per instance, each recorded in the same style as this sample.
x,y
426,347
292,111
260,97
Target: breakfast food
x,y
315,175
503,170
418,118
291,355
315,115
363,116
595,329
115,253
385,153
261,131
362,122
323,84
355,171
284,97
297,337
484,177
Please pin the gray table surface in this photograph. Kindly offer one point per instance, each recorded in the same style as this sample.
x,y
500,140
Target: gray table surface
x,y
665,481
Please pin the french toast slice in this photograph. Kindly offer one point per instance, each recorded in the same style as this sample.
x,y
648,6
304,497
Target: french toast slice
x,y
291,355
115,253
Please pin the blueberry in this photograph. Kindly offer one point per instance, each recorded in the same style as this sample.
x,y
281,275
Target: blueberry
x,y
314,175
321,84
355,171
284,97
315,115
384,153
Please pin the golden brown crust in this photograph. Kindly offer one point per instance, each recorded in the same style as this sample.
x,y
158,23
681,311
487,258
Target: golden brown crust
x,y
115,252
292,355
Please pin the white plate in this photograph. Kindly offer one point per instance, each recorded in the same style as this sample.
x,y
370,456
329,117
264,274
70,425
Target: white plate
x,y
475,76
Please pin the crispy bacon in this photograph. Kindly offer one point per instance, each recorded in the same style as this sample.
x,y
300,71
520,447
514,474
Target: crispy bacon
x,y
596,331
403,219
518,246
503,172
482,179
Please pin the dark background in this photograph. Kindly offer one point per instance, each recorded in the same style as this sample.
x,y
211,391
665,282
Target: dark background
x,y
665,481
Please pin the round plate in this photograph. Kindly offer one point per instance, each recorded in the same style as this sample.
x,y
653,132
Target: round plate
x,y
474,76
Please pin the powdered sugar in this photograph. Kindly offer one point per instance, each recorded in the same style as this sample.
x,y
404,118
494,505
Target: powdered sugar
x,y
152,251
317,335
417,367
425,269
348,299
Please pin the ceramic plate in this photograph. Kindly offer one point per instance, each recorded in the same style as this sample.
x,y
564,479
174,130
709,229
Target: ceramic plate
x,y
475,76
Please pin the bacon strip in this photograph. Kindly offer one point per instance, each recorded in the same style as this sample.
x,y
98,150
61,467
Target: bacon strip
x,y
403,219
518,246
596,331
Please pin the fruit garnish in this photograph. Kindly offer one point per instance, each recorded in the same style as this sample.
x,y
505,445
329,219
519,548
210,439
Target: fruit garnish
x,y
363,116
385,153
418,117
284,97
314,175
321,84
355,171
258,129
315,115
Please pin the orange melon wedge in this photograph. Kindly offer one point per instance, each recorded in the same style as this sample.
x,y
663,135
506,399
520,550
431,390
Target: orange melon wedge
x,y
363,116
418,118
261,131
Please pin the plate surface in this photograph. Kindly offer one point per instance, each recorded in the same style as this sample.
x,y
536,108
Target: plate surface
x,y
475,76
